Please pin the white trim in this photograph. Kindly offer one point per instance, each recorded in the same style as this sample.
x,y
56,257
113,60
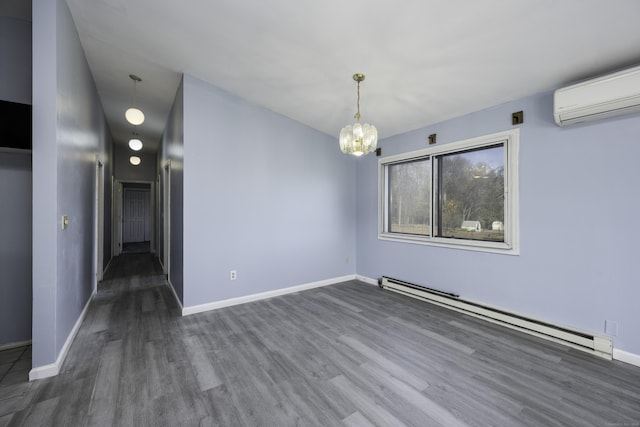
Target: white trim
x,y
626,357
46,371
175,295
99,223
118,206
263,295
53,369
11,345
166,206
367,280
511,140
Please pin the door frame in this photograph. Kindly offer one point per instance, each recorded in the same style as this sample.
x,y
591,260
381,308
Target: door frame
x,y
98,260
166,201
117,216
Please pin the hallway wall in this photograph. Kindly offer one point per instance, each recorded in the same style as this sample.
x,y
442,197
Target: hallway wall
x,y
170,158
69,134
15,57
15,248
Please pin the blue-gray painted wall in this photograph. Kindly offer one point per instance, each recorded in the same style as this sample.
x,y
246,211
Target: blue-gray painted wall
x,y
15,190
69,131
15,60
263,195
15,247
578,206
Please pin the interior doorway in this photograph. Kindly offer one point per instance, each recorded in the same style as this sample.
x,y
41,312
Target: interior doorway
x,y
134,217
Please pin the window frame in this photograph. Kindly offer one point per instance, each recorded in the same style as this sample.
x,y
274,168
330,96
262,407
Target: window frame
x,y
510,246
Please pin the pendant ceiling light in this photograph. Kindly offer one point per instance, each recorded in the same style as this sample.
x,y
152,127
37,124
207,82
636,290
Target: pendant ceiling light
x,y
358,139
133,114
135,143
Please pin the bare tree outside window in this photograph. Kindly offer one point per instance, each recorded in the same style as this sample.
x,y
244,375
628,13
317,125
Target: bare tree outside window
x,y
462,194
410,197
471,194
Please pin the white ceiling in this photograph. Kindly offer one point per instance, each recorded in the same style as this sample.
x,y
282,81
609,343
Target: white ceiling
x,y
425,60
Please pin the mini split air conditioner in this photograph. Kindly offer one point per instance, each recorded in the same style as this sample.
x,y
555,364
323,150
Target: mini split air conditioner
x,y
607,96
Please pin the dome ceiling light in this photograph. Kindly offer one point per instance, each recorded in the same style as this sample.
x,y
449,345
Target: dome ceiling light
x,y
135,160
134,115
135,143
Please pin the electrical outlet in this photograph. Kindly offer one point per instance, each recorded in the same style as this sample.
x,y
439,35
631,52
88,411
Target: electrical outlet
x,y
611,328
233,275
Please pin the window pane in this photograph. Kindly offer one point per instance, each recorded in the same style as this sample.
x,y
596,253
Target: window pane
x,y
409,187
471,194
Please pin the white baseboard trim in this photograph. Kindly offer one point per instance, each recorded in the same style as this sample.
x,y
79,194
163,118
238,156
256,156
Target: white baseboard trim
x,y
624,356
367,280
175,295
186,311
16,344
53,369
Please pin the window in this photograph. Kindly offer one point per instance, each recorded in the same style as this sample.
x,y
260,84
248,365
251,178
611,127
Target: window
x,y
462,194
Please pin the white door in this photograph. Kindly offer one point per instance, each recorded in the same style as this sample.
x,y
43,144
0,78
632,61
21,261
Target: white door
x,y
136,216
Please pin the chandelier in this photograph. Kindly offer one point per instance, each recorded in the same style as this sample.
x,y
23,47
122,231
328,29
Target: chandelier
x,y
358,139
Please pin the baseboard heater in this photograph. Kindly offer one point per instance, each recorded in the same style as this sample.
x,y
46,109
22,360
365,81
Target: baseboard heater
x,y
595,344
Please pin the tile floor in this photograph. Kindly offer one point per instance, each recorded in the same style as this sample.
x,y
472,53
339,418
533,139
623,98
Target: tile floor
x,y
15,364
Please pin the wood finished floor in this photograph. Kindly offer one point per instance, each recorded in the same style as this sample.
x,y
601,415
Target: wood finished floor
x,y
343,355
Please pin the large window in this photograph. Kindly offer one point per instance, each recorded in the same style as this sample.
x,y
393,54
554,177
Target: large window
x,y
462,194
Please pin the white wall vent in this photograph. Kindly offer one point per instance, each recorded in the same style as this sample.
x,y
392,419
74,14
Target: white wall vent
x,y
606,96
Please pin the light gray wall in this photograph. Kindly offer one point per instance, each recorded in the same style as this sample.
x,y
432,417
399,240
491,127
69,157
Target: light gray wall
x,y
578,204
15,60
69,131
263,195
171,152
15,190
125,171
15,247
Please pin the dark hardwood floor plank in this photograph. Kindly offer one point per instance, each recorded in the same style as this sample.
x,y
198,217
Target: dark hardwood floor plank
x,y
201,363
362,402
102,408
40,414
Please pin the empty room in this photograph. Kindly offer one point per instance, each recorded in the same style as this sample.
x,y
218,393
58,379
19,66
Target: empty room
x,y
338,213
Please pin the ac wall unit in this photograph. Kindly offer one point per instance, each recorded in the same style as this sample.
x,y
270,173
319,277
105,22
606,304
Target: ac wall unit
x,y
606,96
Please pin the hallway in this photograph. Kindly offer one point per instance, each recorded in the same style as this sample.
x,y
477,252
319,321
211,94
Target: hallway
x,y
106,366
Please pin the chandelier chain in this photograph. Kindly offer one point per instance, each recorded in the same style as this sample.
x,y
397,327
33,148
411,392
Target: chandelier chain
x,y
357,116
